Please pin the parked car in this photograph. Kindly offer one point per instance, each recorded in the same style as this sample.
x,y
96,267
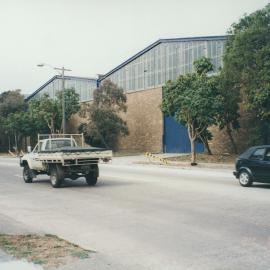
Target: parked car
x,y
253,166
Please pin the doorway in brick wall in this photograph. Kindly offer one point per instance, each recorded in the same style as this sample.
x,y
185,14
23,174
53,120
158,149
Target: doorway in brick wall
x,y
176,138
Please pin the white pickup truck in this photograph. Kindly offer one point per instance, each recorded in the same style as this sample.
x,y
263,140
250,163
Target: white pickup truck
x,y
61,157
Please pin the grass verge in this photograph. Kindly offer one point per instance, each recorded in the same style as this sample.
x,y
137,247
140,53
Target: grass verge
x,y
126,153
205,158
47,250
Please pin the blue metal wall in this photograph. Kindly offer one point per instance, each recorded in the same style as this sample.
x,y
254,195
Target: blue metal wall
x,y
176,138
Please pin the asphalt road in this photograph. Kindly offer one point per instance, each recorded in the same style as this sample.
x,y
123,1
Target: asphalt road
x,y
141,217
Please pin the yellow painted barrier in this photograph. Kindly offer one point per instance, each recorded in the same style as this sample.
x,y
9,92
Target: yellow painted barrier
x,y
156,158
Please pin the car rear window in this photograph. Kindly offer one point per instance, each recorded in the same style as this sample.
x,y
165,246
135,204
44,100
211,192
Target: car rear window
x,y
258,154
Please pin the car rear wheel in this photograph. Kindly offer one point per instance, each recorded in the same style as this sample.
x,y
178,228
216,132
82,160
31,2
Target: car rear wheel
x,y
245,179
27,174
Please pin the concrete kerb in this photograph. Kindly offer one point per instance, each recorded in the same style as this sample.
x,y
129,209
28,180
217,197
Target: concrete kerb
x,y
187,165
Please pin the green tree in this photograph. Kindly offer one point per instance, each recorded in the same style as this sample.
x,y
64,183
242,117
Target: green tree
x,y
49,111
104,124
19,125
228,112
192,101
72,102
10,102
247,66
46,109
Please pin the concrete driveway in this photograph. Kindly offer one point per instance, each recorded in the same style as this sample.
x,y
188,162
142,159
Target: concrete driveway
x,y
146,217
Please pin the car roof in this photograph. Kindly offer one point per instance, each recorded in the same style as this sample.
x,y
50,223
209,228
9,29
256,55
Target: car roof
x,y
263,146
260,146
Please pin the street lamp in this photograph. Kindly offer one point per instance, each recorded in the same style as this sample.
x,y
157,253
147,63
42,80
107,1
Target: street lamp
x,y
61,71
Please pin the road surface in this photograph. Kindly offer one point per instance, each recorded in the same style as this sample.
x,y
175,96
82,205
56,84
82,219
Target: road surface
x,y
146,217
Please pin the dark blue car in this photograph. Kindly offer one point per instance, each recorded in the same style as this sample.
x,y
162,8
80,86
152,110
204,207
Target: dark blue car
x,y
253,166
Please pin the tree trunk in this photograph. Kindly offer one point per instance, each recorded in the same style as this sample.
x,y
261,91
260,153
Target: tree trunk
x,y
265,132
206,145
229,132
192,137
193,152
52,125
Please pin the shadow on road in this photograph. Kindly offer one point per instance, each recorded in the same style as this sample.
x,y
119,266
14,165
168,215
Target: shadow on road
x,y
266,186
82,183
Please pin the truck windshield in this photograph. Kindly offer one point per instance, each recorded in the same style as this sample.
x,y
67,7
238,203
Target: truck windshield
x,y
56,144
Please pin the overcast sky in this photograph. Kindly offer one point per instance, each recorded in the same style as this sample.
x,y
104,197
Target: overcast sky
x,y
94,36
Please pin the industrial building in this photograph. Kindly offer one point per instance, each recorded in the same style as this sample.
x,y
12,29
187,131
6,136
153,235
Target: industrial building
x,y
83,86
142,77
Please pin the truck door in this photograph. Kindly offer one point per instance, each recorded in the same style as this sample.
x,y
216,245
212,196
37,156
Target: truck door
x,y
35,163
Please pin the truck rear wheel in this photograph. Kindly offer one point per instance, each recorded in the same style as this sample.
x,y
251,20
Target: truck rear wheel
x,y
27,174
92,176
56,176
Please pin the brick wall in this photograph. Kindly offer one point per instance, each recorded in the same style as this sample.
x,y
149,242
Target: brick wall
x,y
221,142
145,121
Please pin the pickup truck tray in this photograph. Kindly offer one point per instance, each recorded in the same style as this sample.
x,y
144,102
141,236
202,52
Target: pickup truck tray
x,y
75,149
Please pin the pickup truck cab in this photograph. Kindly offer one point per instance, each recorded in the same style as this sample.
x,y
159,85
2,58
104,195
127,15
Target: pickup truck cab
x,y
61,158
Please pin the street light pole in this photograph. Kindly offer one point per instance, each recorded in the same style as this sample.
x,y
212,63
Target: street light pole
x,y
63,69
62,73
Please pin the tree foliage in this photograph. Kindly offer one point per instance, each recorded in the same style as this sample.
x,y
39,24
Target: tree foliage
x,y
11,102
15,121
46,110
72,102
104,124
49,111
192,101
227,117
203,65
18,120
247,66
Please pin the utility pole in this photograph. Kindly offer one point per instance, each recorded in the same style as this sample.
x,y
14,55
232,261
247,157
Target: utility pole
x,y
62,73
63,69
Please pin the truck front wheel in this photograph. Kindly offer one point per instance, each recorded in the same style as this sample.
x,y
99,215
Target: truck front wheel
x,y
91,180
56,176
27,174
92,176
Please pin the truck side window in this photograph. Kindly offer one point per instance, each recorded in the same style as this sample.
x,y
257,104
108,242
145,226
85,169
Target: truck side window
x,y
47,146
258,154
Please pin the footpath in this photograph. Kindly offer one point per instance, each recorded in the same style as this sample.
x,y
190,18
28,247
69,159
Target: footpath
x,y
160,160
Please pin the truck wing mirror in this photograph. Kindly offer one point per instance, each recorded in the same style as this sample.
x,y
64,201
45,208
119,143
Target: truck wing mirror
x,y
29,149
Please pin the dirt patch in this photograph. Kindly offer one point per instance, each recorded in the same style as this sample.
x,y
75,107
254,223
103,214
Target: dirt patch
x,y
46,250
206,158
